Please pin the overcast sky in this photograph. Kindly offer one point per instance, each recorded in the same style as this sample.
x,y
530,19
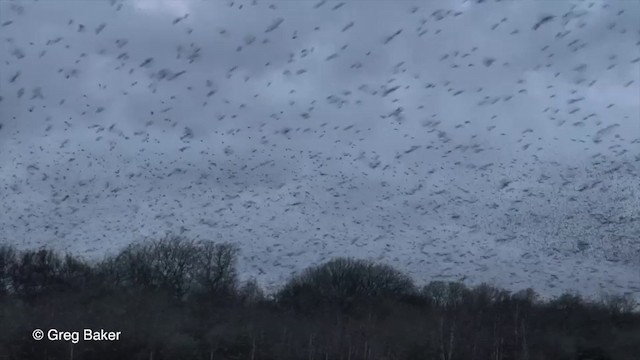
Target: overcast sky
x,y
484,141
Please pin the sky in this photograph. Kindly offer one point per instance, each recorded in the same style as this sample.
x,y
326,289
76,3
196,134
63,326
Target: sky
x,y
481,141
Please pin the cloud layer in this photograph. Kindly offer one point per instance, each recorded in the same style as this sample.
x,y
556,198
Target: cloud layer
x,y
486,140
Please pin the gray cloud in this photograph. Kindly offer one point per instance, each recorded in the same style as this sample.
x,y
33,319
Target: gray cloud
x,y
450,139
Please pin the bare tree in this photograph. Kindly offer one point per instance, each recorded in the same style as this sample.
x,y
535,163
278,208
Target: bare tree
x,y
173,262
131,269
620,304
250,293
7,260
448,298
35,273
345,282
216,269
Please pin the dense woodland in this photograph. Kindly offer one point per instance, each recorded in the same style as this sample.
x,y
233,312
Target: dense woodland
x,y
180,299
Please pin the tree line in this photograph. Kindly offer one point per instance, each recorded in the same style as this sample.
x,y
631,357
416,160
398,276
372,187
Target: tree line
x,y
176,298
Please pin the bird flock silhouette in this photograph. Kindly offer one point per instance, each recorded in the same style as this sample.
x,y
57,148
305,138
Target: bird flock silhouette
x,y
481,140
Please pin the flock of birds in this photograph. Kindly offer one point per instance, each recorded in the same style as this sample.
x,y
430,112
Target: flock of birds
x,y
460,140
